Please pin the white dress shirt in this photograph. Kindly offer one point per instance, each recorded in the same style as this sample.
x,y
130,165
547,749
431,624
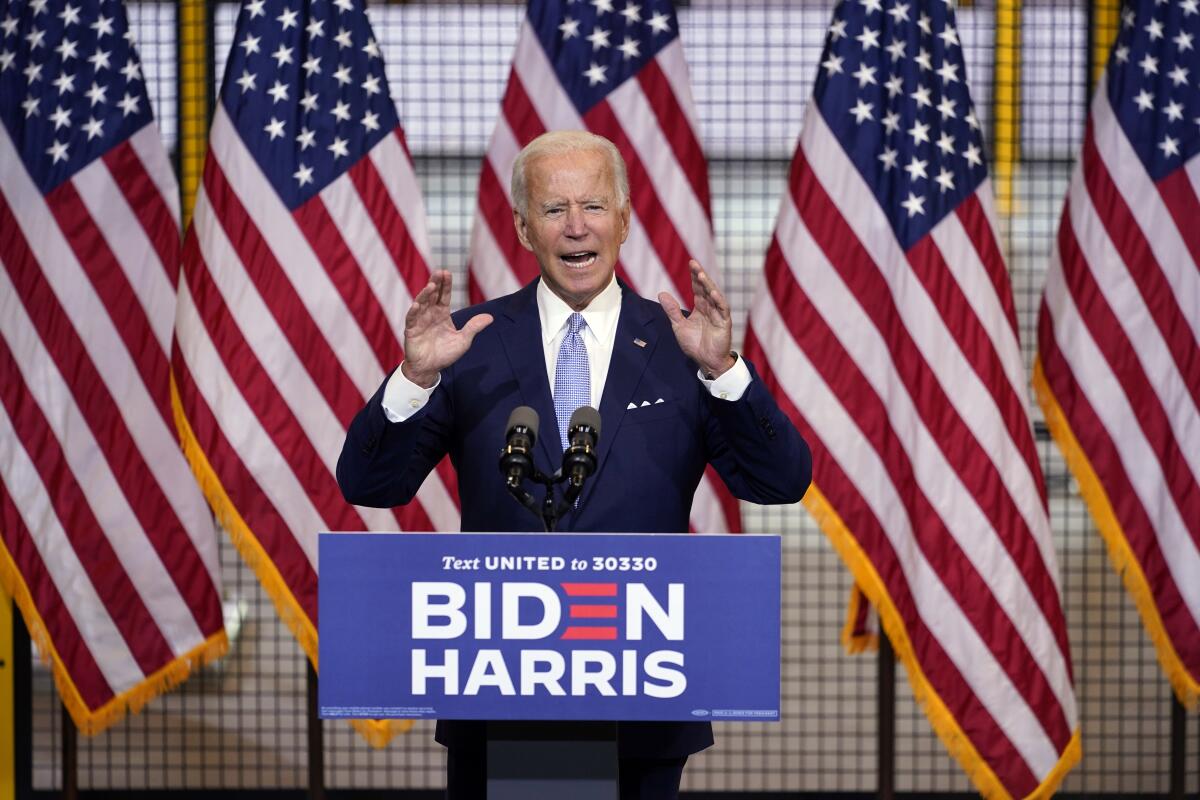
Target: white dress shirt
x,y
402,398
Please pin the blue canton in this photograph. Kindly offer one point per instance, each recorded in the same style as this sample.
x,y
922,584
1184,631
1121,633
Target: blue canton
x,y
594,46
71,85
306,89
1154,82
892,87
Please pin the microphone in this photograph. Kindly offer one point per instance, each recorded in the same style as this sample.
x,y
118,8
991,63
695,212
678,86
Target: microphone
x,y
579,460
516,459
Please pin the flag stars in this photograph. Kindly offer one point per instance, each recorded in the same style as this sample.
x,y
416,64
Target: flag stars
x,y
306,139
923,23
837,30
247,81
945,143
871,5
303,175
602,6
629,48
315,28
914,205
921,96
1169,146
36,39
339,148
69,15
61,117
312,66
282,55
595,74
1174,111
371,48
1149,65
370,121
129,104
255,8
6,61
93,127
1189,7
341,111
343,39
30,106
945,179
862,111
894,85
67,49
1122,54
278,92
864,74
971,119
1183,41
896,49
1178,75
132,71
899,12
33,72
1155,29
250,44
946,108
371,85
342,74
948,72
274,128
832,65
38,6
919,133
57,151
924,59
99,60
288,19
598,38
891,121
888,158
1144,100
949,36
9,25
344,5
97,94
868,38
569,28
659,23
632,13
309,101
973,156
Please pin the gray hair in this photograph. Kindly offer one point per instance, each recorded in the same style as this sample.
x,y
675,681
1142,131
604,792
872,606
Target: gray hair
x,y
553,143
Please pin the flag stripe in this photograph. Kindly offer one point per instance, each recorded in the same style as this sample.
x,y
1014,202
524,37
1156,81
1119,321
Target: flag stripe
x,y
1133,471
392,165
969,460
1115,331
673,123
1097,442
976,213
1179,197
948,539
74,648
153,157
126,495
268,375
116,591
904,570
147,205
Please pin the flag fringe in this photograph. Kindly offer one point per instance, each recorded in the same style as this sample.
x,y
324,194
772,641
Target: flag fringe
x,y
855,641
1124,562
944,724
378,733
91,722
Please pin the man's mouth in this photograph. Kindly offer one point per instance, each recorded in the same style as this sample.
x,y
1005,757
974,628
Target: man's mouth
x,y
580,260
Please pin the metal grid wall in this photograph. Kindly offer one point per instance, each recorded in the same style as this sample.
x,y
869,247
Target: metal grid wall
x,y
241,723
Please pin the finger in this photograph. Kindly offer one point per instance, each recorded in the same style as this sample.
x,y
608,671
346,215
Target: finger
x,y
443,281
476,324
671,306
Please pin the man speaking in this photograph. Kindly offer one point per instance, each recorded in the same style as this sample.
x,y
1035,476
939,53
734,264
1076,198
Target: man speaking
x,y
672,396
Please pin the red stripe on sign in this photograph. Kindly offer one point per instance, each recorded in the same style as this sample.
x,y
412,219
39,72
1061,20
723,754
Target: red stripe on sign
x,y
265,400
147,204
112,286
68,643
970,590
590,589
979,725
677,130
649,208
591,634
1120,354
593,612
1131,243
247,496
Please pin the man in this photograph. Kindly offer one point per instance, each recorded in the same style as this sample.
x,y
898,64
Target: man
x,y
574,337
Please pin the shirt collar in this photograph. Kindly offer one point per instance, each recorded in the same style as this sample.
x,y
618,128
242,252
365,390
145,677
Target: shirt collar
x,y
600,315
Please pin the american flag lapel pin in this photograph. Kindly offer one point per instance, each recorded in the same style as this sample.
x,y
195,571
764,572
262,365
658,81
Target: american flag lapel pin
x,y
639,342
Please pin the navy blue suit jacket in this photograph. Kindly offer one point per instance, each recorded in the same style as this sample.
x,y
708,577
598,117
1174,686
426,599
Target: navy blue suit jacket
x,y
649,458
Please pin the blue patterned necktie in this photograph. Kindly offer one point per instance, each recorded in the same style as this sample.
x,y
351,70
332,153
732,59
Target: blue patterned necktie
x,y
572,377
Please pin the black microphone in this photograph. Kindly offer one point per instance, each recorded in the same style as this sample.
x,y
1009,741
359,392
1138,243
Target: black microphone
x,y
579,461
516,459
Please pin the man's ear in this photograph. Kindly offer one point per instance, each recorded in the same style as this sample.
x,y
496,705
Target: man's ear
x,y
625,212
522,233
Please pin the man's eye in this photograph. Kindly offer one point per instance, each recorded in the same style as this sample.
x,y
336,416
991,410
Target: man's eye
x,y
594,207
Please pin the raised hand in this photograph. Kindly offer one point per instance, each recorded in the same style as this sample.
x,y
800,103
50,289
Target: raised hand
x,y
431,342
706,335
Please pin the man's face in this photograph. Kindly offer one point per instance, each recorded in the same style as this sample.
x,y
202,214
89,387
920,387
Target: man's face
x,y
573,225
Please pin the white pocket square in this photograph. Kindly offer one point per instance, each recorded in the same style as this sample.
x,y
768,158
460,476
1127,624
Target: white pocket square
x,y
644,404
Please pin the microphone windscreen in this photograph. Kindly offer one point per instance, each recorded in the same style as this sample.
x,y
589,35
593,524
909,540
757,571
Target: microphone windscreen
x,y
523,416
586,415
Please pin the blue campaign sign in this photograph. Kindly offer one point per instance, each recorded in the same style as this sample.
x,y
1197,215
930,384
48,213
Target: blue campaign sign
x,y
549,626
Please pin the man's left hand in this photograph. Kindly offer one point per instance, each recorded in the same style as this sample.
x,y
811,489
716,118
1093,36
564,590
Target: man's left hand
x,y
706,335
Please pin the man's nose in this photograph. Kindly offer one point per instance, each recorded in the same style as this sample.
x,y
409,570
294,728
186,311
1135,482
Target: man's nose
x,y
576,222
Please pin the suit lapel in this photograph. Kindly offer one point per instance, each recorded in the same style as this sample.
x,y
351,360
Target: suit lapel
x,y
522,339
629,360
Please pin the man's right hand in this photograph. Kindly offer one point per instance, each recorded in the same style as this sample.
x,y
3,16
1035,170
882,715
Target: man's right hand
x,y
431,342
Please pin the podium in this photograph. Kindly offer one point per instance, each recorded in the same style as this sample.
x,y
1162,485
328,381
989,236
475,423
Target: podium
x,y
554,638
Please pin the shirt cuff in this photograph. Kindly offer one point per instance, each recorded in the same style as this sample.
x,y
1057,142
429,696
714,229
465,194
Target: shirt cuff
x,y
732,384
402,398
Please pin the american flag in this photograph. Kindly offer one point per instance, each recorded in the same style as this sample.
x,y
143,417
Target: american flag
x,y
1118,372
887,330
307,244
105,540
619,73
